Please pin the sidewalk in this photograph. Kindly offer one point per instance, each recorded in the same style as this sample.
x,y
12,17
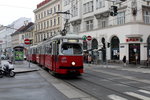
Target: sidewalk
x,y
129,67
23,66
114,65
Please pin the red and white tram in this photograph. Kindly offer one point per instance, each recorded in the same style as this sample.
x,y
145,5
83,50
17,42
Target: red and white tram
x,y
61,54
31,54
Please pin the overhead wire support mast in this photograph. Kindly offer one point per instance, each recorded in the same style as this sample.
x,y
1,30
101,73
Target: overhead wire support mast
x,y
64,31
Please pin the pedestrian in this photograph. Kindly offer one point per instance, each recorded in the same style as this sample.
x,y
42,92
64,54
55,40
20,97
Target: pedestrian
x,y
147,61
89,59
124,61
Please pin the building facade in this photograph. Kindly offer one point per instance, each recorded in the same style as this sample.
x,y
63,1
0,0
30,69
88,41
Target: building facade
x,y
24,32
127,33
5,34
47,22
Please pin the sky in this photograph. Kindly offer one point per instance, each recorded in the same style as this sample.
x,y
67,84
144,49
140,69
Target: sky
x,y
11,10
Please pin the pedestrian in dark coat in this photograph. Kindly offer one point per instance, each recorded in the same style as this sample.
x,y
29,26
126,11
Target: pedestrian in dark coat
x,y
124,60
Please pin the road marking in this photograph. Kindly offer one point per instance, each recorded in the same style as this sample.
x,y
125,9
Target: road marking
x,y
144,91
116,97
137,95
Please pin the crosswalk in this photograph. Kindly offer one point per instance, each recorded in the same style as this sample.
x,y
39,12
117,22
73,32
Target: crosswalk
x,y
139,94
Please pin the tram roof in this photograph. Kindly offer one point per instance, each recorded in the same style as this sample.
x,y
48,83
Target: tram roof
x,y
33,46
67,36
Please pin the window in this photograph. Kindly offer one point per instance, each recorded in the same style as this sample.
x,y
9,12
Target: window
x,y
120,18
49,48
47,35
71,49
76,28
66,2
102,23
48,23
54,9
23,37
100,4
74,8
146,17
58,20
51,22
58,7
44,24
88,7
89,25
41,14
45,14
41,37
54,22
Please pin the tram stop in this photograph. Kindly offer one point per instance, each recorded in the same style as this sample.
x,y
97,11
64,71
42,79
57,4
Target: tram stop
x,y
18,53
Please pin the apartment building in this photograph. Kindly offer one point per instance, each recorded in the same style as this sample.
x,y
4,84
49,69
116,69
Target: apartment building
x,y
24,32
47,22
127,33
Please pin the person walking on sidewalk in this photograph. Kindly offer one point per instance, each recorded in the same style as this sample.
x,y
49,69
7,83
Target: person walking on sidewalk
x,y
124,61
89,59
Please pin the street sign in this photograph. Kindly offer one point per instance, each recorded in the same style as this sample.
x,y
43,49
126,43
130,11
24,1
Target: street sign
x,y
27,41
89,38
84,37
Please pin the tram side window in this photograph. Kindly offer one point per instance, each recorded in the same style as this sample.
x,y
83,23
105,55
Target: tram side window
x,y
49,48
70,49
46,49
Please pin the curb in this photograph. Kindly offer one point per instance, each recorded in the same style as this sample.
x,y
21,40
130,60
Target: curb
x,y
25,71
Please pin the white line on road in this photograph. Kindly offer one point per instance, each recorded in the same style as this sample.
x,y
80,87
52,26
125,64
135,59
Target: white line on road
x,y
137,95
144,91
116,97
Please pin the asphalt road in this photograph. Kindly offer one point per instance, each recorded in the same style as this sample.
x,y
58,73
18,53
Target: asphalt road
x,y
114,83
38,85
97,83
28,86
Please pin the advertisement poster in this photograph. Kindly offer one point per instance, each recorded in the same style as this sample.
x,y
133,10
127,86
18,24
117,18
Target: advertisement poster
x,y
19,55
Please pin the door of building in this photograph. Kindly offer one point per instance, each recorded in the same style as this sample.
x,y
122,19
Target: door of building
x,y
134,53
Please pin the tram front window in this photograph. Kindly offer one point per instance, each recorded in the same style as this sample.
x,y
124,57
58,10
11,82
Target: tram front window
x,y
71,49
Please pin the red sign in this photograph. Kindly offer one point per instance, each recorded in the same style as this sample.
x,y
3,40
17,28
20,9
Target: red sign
x,y
27,41
89,38
132,39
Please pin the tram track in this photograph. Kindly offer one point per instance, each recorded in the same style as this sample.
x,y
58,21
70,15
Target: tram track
x,y
97,90
123,83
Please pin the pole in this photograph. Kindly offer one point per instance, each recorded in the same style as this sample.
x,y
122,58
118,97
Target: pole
x,y
28,54
0,54
106,53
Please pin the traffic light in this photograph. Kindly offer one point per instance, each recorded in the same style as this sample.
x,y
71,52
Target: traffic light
x,y
114,10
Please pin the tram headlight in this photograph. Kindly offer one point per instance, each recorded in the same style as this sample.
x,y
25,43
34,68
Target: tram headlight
x,y
73,63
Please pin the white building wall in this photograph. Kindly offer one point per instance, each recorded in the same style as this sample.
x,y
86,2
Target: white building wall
x,y
134,26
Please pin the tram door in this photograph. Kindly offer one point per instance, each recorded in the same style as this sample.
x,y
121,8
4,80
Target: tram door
x,y
134,53
55,55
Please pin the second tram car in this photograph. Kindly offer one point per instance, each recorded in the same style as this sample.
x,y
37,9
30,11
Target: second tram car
x,y
61,54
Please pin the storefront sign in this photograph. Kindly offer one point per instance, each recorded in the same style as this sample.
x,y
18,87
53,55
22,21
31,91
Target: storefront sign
x,y
134,40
